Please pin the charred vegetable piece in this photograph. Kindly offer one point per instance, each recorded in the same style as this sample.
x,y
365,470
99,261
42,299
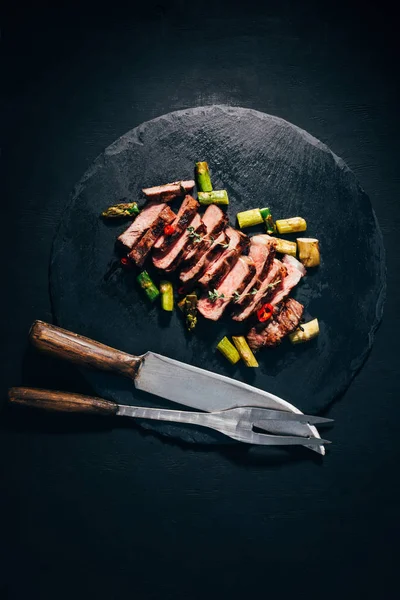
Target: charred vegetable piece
x,y
167,296
188,306
119,211
215,197
269,222
244,350
203,177
291,225
285,247
148,286
191,311
248,218
309,253
228,350
306,332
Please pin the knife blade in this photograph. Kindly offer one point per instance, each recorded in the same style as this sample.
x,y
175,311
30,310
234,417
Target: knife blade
x,y
168,378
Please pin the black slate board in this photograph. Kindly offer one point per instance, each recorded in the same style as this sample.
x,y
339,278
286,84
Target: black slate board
x,y
262,161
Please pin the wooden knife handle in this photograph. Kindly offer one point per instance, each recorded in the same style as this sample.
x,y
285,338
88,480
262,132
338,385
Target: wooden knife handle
x,y
61,401
82,350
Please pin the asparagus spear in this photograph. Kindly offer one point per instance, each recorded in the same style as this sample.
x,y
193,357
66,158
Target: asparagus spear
x,y
167,296
255,216
269,222
203,177
306,332
148,286
117,211
191,311
291,225
215,197
244,350
228,350
285,247
188,306
248,218
309,253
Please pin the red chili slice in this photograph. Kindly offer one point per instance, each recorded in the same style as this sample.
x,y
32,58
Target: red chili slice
x,y
169,230
265,312
126,263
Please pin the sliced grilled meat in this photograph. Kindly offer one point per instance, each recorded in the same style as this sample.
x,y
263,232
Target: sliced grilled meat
x,y
170,260
220,267
190,274
276,273
169,191
214,221
185,214
262,254
286,320
235,281
295,271
142,248
145,219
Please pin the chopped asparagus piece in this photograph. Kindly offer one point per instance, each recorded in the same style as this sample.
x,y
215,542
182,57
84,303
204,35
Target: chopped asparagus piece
x,y
306,332
167,296
228,350
215,197
244,350
309,253
191,311
285,247
269,222
248,218
118,211
291,225
203,177
148,286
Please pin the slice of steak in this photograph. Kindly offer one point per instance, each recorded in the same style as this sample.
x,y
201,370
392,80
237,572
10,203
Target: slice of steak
x,y
285,320
145,219
220,267
275,275
190,274
142,248
168,261
214,221
295,271
235,281
262,255
169,191
182,220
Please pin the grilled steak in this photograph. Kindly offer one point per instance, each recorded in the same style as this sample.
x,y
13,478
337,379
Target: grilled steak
x,y
185,214
262,255
235,281
276,273
214,221
170,259
145,219
295,271
220,267
141,249
195,269
285,321
169,190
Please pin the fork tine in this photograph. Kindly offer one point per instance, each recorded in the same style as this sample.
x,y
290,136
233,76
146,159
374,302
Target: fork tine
x,y
265,414
281,440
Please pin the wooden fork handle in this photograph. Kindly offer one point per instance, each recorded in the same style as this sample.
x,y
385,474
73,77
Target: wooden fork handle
x,y
61,401
82,350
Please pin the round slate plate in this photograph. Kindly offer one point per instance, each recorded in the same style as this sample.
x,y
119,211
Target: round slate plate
x,y
262,161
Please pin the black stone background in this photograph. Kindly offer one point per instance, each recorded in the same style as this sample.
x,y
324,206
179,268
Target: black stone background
x,y
80,515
